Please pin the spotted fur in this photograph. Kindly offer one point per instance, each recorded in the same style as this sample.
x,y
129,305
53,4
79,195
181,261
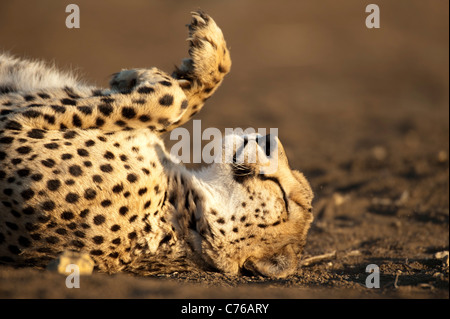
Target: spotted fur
x,y
85,169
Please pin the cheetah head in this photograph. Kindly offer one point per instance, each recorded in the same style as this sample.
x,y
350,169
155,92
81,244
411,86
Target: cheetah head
x,y
261,222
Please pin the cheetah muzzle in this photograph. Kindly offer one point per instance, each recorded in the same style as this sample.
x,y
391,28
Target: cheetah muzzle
x,y
85,169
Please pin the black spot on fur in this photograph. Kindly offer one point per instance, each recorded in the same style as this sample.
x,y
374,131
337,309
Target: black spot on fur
x,y
36,134
48,205
89,143
53,184
58,108
24,242
133,218
70,134
145,90
11,226
144,118
99,219
82,152
106,168
14,249
184,104
166,100
44,96
90,193
68,102
61,231
132,178
31,114
27,194
99,121
75,170
36,177
49,118
52,240
97,179
23,172
128,112
106,203
16,161
51,146
96,252
67,215
66,156
6,140
142,191
48,162
105,109
76,121
117,188
123,210
84,213
24,150
86,110
77,243
108,155
72,198
98,240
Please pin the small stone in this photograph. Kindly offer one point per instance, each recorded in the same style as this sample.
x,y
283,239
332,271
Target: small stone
x,y
339,199
403,199
82,260
442,255
442,157
380,153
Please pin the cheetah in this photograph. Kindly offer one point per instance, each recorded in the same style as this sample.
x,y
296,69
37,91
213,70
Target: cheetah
x,y
85,169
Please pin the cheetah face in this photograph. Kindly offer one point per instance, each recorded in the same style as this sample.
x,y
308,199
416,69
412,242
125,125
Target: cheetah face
x,y
265,217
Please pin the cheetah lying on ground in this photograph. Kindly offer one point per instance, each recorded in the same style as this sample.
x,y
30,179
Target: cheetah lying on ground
x,y
85,169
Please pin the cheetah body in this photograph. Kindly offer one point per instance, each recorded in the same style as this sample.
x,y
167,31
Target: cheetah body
x,y
85,169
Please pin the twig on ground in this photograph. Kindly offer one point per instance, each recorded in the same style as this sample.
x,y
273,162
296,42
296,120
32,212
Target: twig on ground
x,y
319,258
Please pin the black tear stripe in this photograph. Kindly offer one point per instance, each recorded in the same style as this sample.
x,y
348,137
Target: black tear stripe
x,y
164,200
186,202
275,180
192,222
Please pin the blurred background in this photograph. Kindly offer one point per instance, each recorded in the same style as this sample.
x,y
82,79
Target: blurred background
x,y
364,113
310,68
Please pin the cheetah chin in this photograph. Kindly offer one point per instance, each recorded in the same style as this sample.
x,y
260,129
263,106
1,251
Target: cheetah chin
x,y
84,169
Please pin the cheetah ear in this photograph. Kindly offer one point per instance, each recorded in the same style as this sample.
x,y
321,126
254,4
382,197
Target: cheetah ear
x,y
278,265
302,195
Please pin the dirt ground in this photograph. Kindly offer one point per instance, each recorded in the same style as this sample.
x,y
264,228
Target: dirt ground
x,y
364,113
